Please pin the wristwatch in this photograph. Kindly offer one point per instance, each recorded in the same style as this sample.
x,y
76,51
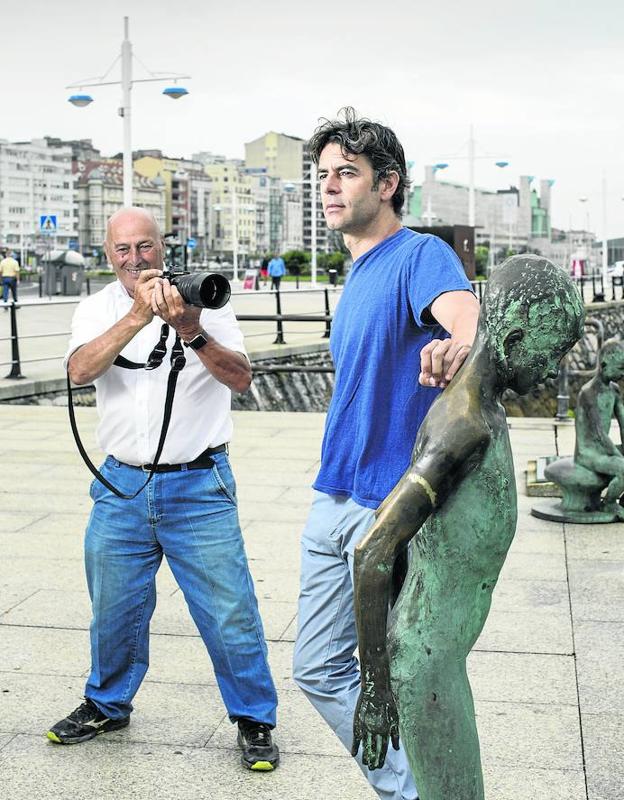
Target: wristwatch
x,y
196,342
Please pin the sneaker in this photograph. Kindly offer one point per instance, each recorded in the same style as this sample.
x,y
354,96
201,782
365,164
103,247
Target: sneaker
x,y
84,723
258,750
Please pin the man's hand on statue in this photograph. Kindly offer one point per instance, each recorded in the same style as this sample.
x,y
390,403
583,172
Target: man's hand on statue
x,y
142,294
167,303
375,720
439,362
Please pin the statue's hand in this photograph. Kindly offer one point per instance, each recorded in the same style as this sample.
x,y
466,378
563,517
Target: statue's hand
x,y
375,720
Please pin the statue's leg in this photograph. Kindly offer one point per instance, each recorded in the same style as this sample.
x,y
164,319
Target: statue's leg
x,y
611,466
438,729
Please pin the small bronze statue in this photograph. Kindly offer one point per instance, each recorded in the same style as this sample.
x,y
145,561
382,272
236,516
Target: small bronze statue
x,y
457,502
598,463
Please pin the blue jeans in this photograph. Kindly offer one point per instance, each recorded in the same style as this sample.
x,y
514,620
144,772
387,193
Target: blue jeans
x,y
191,517
9,283
325,667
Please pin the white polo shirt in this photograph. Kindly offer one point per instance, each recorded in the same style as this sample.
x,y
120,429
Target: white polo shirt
x,y
131,402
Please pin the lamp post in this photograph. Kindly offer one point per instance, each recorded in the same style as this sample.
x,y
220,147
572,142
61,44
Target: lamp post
x,y
472,157
125,110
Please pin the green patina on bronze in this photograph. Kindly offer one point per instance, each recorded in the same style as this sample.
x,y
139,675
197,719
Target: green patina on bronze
x,y
598,463
414,681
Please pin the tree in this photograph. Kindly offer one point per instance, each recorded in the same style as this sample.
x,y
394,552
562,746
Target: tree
x,y
482,255
296,261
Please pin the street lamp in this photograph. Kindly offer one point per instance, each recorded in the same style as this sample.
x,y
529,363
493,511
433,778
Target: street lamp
x,y
472,157
126,83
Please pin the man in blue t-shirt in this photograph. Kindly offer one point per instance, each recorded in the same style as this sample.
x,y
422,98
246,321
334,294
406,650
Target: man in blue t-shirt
x,y
405,323
277,269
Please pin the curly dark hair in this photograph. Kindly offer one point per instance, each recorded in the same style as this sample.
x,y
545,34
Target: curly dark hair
x,y
360,136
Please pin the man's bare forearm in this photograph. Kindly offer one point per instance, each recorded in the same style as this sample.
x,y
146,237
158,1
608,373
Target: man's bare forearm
x,y
228,367
91,360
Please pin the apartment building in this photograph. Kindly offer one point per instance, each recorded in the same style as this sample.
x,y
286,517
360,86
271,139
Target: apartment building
x,y
36,180
99,185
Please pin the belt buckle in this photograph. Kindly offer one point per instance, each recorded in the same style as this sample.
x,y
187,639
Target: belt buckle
x,y
146,467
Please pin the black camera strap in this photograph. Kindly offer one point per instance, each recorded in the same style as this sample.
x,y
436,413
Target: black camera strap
x,y
155,359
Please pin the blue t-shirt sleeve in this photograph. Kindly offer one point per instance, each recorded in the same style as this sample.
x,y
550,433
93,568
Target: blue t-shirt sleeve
x,y
434,269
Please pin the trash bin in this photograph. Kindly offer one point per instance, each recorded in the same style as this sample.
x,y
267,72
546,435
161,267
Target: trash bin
x,y
50,277
71,279
333,276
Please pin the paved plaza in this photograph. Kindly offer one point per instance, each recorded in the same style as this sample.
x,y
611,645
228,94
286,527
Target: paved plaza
x,y
44,325
547,671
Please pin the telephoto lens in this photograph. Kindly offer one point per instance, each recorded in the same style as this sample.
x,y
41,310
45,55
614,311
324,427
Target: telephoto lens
x,y
203,289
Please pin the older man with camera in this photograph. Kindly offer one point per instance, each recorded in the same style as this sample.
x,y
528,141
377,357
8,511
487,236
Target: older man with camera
x,y
123,340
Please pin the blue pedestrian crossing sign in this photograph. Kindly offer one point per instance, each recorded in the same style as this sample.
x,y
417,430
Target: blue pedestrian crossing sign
x,y
191,243
47,223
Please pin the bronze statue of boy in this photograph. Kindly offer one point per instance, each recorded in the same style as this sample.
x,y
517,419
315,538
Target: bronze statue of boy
x,y
598,463
457,502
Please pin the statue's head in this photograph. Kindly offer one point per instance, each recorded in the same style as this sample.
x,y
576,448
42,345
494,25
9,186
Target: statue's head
x,y
611,359
532,315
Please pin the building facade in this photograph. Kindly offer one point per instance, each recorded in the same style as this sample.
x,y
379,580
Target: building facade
x,y
508,218
36,180
100,193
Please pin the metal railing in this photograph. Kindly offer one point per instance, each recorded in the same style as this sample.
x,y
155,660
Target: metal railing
x,y
15,363
325,317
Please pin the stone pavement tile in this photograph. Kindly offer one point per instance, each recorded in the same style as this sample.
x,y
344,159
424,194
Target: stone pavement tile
x,y
276,616
535,596
301,496
603,740
253,491
279,512
12,596
115,770
173,617
5,738
538,540
41,572
526,632
595,542
52,502
71,525
42,651
16,474
32,454
300,729
24,543
284,476
167,713
522,678
503,782
534,566
184,659
544,736
18,520
597,590
283,535
290,634
65,482
275,583
600,666
52,608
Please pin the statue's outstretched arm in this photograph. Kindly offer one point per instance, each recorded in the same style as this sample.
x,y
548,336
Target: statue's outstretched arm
x,y
437,466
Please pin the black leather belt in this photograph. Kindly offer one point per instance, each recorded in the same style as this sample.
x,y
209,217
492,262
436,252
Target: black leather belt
x,y
203,461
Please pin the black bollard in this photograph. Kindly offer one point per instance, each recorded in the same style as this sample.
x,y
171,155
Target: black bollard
x,y
279,339
327,313
15,356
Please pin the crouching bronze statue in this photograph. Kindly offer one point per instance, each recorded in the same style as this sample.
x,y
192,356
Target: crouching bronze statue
x,y
457,502
598,463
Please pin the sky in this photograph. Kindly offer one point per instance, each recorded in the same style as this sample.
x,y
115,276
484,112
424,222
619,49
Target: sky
x,y
542,83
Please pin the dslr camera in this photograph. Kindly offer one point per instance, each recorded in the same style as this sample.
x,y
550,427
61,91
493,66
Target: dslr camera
x,y
203,289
